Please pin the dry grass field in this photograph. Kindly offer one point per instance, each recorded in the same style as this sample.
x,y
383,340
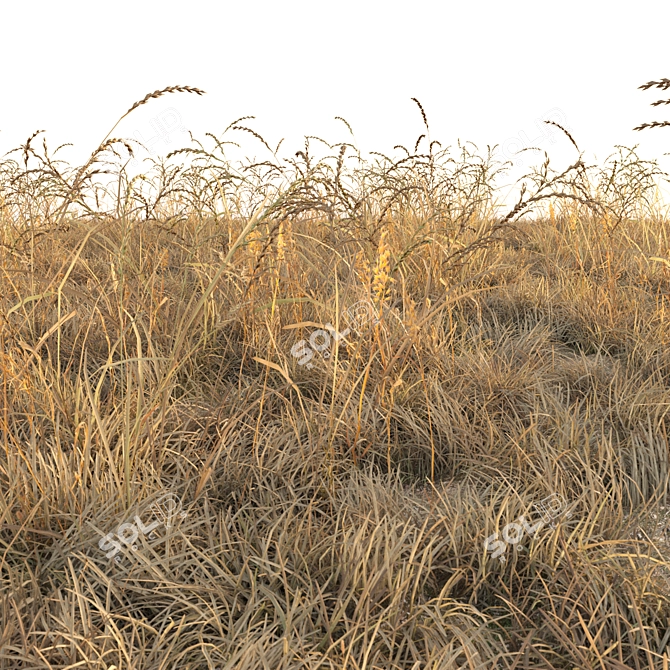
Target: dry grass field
x,y
348,499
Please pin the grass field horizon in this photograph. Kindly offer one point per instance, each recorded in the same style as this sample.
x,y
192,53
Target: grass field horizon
x,y
329,411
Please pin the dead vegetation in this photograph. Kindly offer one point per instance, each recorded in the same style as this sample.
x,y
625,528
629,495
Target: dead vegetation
x,y
337,514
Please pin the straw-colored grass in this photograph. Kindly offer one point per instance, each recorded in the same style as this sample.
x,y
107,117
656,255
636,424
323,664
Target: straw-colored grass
x,y
337,514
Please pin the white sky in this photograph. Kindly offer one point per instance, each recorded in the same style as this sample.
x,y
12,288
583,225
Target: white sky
x,y
484,71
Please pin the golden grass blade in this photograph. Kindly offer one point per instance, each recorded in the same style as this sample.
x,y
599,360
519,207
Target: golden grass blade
x,y
281,371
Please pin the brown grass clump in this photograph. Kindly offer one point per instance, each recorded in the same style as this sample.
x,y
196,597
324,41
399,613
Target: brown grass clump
x,y
337,509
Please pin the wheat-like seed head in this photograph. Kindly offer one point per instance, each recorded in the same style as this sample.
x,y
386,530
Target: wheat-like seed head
x,y
381,277
109,144
162,92
573,221
283,239
653,124
663,84
164,259
569,136
362,268
423,113
255,245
